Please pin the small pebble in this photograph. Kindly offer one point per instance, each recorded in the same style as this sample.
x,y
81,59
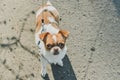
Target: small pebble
x,y
4,22
60,19
14,8
33,12
92,49
4,4
9,20
7,38
4,61
10,69
31,30
25,19
13,38
118,73
11,49
12,28
20,79
32,75
84,15
17,76
90,61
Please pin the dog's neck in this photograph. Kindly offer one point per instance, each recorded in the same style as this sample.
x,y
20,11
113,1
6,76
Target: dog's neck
x,y
49,28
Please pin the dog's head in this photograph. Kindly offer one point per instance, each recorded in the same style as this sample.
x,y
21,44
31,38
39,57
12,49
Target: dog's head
x,y
54,43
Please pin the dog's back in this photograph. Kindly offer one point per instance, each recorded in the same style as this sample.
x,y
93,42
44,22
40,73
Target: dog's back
x,y
48,13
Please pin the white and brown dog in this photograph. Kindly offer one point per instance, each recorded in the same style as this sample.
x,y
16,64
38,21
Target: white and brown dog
x,y
49,38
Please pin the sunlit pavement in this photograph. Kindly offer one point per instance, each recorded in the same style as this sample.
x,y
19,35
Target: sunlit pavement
x,y
93,44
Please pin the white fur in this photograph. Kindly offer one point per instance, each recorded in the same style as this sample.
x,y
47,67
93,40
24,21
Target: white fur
x,y
54,58
49,8
48,55
54,38
51,19
50,58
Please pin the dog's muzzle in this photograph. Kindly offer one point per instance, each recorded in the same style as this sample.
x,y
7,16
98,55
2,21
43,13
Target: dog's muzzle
x,y
56,52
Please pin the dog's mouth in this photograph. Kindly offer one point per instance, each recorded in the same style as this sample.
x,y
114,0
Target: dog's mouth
x,y
55,53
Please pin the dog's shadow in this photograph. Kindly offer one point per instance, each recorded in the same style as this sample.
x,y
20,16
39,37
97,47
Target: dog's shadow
x,y
63,73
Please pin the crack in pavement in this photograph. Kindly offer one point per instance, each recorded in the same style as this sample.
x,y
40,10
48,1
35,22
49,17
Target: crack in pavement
x,y
92,51
16,42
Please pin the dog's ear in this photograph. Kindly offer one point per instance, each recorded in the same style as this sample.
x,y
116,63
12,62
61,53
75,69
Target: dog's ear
x,y
43,35
64,33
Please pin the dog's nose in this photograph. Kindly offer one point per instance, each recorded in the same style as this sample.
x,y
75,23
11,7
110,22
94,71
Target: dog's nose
x,y
56,52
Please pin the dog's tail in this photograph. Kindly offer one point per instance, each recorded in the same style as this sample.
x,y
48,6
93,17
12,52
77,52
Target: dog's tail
x,y
48,3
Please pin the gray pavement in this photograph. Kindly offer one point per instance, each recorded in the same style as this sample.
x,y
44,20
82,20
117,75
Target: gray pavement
x,y
93,44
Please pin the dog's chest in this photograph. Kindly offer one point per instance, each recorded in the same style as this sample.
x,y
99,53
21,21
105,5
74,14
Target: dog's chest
x,y
54,59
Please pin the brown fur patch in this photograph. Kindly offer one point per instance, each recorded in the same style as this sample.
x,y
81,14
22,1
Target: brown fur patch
x,y
64,33
60,38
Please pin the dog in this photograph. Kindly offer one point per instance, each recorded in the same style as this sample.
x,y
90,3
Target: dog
x,y
49,38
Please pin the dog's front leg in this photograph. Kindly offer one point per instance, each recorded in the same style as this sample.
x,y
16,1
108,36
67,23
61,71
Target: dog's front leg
x,y
43,66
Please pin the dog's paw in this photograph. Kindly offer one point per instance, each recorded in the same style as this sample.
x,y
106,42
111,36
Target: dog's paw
x,y
60,63
46,77
43,73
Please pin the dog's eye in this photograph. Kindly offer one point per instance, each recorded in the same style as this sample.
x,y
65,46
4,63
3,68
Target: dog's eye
x,y
61,45
49,46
